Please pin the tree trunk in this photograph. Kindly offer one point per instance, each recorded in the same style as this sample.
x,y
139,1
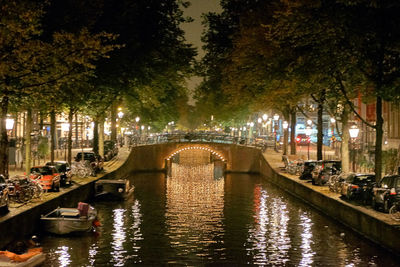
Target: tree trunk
x,y
320,134
96,136
4,138
28,147
114,121
70,121
101,137
52,134
379,137
345,140
293,121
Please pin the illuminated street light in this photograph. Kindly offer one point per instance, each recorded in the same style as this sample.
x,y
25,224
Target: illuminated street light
x,y
9,124
285,125
276,117
259,120
265,117
353,130
137,119
120,114
309,122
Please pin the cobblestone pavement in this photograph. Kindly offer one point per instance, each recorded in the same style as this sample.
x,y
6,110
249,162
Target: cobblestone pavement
x,y
275,161
109,166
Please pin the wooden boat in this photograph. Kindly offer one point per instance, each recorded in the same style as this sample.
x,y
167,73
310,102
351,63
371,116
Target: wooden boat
x,y
114,189
67,220
34,257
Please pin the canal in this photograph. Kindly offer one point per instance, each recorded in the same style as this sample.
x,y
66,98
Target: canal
x,y
194,219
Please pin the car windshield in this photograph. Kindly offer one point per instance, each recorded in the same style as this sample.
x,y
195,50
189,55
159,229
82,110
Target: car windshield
x,y
364,178
387,182
87,156
42,170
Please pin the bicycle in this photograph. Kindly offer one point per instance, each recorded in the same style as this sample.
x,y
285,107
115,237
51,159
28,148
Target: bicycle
x,y
394,211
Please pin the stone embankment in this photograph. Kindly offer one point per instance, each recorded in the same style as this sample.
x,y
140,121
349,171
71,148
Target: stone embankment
x,y
374,225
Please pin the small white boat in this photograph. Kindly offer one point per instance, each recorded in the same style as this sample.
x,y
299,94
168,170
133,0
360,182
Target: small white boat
x,y
35,260
115,189
67,220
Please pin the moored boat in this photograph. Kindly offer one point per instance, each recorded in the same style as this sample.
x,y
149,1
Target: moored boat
x,y
115,189
67,220
33,257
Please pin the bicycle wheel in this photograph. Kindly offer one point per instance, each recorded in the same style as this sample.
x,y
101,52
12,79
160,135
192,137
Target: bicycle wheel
x,y
394,212
81,173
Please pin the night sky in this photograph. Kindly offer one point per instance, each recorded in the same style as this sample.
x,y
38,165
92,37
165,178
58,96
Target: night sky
x,y
194,30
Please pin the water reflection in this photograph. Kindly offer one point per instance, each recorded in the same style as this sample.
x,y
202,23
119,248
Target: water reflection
x,y
64,258
306,241
194,210
119,237
136,232
269,236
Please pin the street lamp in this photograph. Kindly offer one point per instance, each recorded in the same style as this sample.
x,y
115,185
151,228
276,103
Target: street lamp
x,y
265,117
285,126
308,133
276,118
353,130
120,114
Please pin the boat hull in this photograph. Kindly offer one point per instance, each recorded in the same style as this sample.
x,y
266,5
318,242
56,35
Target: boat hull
x,y
56,223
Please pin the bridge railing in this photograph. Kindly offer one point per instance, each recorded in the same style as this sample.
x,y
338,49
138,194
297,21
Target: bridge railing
x,y
197,137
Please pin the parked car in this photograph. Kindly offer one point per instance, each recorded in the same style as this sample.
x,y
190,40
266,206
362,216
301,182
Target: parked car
x,y
3,194
309,166
47,176
64,170
110,150
95,161
358,186
265,141
386,192
302,139
324,169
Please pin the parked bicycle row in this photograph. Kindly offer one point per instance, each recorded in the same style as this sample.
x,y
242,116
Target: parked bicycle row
x,y
360,187
47,178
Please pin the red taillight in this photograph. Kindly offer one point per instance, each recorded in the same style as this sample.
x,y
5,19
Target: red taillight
x,y
298,139
393,191
354,186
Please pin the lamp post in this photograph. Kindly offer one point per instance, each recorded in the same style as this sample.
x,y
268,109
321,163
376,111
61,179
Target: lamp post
x,y
251,132
276,127
65,128
285,126
308,133
353,130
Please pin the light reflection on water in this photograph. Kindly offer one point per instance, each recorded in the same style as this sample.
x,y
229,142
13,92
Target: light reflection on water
x,y
193,219
269,236
119,237
194,210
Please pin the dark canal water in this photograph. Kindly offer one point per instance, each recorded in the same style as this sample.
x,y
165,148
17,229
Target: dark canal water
x,y
193,219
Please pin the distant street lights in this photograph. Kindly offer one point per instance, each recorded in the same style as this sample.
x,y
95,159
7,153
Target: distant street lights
x,y
353,135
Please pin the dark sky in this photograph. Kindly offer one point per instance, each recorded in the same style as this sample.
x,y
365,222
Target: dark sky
x,y
194,30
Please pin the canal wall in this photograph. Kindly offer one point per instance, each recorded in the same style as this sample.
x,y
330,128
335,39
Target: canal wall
x,y
17,225
383,233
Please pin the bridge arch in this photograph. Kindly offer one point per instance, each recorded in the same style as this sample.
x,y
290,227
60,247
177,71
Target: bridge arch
x,y
200,147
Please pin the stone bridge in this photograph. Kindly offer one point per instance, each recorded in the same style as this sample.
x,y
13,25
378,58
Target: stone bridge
x,y
155,158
